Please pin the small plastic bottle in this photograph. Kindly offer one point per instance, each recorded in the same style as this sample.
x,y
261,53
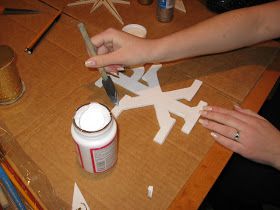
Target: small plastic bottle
x,y
165,10
96,145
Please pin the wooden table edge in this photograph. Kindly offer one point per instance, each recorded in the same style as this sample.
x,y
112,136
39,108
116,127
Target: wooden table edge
x,y
198,185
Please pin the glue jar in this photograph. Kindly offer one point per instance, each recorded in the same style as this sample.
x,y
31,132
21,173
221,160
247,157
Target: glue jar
x,y
94,131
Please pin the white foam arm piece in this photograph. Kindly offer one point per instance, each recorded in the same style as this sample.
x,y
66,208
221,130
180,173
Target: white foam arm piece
x,y
166,123
129,83
192,117
151,76
138,73
128,102
185,93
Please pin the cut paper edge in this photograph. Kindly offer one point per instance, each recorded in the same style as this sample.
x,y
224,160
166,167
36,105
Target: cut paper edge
x,y
179,4
79,201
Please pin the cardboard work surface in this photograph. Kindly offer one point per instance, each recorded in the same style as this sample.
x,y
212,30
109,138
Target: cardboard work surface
x,y
57,83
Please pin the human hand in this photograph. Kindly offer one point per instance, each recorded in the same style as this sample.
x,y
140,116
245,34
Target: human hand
x,y
116,49
258,139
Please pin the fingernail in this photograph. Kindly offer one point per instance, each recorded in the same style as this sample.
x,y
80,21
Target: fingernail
x,y
202,112
236,106
90,63
203,122
214,135
120,69
207,108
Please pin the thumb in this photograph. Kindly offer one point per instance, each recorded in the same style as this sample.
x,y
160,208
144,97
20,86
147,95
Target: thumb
x,y
103,60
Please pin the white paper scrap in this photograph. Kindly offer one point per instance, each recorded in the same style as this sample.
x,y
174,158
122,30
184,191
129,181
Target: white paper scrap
x,y
150,191
79,202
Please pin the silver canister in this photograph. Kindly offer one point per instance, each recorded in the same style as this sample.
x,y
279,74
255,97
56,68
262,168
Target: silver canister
x,y
165,10
11,86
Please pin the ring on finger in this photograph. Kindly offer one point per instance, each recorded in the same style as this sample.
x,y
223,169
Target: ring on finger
x,y
236,136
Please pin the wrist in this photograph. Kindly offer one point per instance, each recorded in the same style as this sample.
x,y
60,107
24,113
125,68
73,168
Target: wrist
x,y
155,51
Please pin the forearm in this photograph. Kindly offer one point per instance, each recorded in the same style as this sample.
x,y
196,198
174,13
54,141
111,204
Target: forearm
x,y
228,31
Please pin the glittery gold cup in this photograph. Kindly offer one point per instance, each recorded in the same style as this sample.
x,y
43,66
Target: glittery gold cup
x,y
11,86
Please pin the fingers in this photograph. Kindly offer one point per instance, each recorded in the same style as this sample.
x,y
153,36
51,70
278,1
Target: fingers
x,y
223,134
104,37
226,131
104,44
119,48
224,117
103,50
248,112
228,143
105,60
114,69
245,115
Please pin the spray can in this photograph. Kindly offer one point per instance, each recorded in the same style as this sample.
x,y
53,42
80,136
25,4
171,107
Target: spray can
x,y
165,10
94,131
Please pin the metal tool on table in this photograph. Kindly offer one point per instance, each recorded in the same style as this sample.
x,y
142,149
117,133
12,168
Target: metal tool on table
x,y
106,80
15,11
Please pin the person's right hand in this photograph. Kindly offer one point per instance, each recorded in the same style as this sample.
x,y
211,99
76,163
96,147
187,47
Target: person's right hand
x,y
116,49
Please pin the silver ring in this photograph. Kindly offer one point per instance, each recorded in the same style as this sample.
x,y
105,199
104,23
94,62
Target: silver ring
x,y
236,136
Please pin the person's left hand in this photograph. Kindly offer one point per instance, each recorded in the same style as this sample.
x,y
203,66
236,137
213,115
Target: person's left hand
x,y
244,132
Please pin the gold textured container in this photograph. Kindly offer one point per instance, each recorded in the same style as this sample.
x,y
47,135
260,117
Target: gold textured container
x,y
11,86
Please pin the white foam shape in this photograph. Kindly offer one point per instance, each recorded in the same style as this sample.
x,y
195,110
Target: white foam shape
x,y
132,83
79,201
150,191
163,102
151,76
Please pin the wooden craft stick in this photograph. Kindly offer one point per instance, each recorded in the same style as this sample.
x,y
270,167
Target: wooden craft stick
x,y
121,2
113,8
93,1
95,6
107,3
30,47
80,3
113,11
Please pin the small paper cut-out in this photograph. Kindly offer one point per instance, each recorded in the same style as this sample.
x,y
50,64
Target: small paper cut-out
x,y
79,202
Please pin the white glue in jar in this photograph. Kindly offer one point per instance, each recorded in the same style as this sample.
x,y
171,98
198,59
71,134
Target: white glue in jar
x,y
94,131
